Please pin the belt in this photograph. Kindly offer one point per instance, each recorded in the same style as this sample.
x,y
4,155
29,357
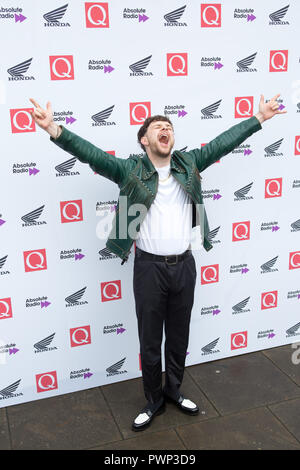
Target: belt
x,y
170,259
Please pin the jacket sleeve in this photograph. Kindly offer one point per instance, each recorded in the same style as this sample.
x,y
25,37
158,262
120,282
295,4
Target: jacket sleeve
x,y
224,143
107,165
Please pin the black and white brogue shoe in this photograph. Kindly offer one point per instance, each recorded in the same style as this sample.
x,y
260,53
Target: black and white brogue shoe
x,y
146,416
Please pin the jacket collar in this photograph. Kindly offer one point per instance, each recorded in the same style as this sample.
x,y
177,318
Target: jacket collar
x,y
149,170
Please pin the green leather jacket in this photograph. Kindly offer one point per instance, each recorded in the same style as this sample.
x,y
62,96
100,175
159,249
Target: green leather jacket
x,y
138,179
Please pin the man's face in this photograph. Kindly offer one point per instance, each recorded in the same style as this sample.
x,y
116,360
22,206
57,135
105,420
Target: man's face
x,y
159,138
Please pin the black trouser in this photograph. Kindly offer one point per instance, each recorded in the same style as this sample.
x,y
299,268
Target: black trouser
x,y
164,296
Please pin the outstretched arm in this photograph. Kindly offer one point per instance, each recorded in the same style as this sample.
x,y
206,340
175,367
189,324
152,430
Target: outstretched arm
x,y
103,163
230,139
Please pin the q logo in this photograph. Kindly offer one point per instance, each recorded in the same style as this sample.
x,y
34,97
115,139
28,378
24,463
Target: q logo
x,y
61,67
46,382
297,145
273,187
243,107
35,260
96,15
80,336
21,120
111,291
5,308
210,274
241,231
269,300
211,15
294,261
177,64
139,112
239,340
71,211
278,61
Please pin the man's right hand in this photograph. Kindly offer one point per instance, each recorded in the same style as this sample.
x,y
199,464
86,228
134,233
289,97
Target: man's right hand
x,y
44,118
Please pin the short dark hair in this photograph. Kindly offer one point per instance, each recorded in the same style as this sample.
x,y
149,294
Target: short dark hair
x,y
142,131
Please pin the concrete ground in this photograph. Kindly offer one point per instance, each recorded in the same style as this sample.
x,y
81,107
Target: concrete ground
x,y
246,402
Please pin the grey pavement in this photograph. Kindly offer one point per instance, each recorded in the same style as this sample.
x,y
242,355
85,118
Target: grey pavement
x,y
246,402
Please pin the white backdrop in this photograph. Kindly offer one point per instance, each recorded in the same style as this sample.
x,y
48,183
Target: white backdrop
x,y
79,57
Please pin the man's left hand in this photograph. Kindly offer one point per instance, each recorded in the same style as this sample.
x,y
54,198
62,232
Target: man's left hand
x,y
268,110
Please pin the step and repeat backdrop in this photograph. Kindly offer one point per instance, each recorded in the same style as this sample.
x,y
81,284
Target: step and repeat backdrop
x,y
67,313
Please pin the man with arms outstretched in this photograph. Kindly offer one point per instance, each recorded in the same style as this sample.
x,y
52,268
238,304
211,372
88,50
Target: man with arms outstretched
x,y
168,186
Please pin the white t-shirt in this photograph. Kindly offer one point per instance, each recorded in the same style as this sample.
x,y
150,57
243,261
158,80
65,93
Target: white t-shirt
x,y
167,227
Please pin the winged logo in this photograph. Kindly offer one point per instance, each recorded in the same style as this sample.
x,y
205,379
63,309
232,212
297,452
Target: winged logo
x,y
20,69
213,233
44,343
246,62
2,261
273,147
32,216
212,108
290,331
115,367
74,298
279,14
175,15
269,264
66,166
241,193
55,15
210,346
103,115
294,225
239,307
140,65
8,391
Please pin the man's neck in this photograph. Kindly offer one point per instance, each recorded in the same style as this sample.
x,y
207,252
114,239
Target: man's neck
x,y
159,161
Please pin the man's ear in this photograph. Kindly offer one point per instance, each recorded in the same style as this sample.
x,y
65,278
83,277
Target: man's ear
x,y
144,141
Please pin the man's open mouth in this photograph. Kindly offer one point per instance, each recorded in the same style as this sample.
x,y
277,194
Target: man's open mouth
x,y
163,139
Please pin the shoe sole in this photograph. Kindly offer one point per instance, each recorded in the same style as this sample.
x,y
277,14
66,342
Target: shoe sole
x,y
160,411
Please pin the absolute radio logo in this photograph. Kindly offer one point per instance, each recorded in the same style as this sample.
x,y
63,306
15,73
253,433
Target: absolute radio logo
x,y
35,260
135,13
243,106
53,17
17,71
104,65
239,268
269,300
138,68
241,231
64,168
5,308
244,149
116,328
46,382
210,274
96,15
277,17
243,65
273,188
239,340
139,112
211,62
81,374
61,67
21,120
271,150
173,17
12,13
29,168
213,194
177,64
100,119
65,117
73,254
212,310
80,336
2,264
111,291
41,301
71,211
30,219
175,110
211,15
244,14
278,61
266,334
